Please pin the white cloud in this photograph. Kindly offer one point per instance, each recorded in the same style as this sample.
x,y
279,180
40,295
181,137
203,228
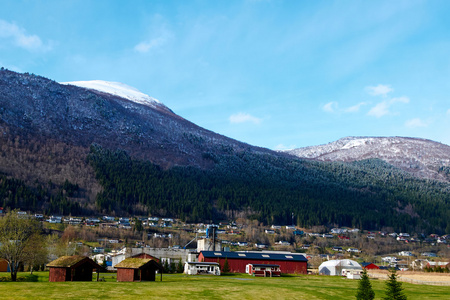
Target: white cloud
x,y
379,110
330,107
333,107
244,118
379,90
399,100
355,108
159,35
448,112
414,123
20,38
144,47
383,108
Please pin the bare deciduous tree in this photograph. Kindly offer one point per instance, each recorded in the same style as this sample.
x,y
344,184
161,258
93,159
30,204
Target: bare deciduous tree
x,y
16,239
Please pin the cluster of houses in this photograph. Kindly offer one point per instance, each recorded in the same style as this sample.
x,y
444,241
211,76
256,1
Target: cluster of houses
x,y
210,257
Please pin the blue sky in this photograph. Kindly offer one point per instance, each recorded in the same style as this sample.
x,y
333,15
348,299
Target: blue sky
x,y
276,74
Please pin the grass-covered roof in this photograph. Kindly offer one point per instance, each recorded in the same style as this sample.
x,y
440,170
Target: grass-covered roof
x,y
66,261
135,263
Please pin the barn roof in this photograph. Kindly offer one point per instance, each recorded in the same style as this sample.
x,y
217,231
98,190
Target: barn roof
x,y
365,264
255,255
137,263
71,261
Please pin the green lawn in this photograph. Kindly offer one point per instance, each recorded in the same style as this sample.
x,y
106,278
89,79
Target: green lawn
x,y
239,286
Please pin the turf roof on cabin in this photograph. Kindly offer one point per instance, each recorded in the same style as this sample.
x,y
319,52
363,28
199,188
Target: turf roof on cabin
x,y
66,261
134,263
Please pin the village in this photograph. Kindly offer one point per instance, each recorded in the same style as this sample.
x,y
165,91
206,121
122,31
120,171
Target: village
x,y
140,248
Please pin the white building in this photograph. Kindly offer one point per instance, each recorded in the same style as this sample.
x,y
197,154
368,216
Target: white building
x,y
339,267
207,245
201,268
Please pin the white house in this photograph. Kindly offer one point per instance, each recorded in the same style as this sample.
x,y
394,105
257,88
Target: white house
x,y
201,268
405,253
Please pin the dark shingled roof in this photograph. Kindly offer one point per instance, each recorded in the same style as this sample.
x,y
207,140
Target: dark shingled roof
x,y
255,255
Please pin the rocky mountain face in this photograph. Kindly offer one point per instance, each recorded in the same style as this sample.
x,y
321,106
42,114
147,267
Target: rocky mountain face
x,y
420,157
47,128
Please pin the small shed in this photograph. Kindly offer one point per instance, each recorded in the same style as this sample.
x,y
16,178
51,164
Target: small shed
x,y
263,270
73,268
138,269
201,268
4,267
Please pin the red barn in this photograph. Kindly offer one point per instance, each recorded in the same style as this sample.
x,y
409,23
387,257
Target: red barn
x,y
290,263
369,266
138,269
72,268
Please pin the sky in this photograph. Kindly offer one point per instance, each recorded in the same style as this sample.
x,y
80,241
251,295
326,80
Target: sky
x,y
275,74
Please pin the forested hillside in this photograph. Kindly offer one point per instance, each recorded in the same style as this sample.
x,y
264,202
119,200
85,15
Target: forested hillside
x,y
59,155
368,194
51,199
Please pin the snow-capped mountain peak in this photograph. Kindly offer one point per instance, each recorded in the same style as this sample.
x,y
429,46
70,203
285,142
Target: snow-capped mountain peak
x,y
116,89
421,157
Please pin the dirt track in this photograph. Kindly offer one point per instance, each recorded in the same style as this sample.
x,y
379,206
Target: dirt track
x,y
415,277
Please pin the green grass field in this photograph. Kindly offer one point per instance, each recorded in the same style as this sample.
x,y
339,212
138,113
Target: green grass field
x,y
181,286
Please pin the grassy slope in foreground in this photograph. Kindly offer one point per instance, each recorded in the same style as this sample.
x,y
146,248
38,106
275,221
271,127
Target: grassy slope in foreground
x,y
239,286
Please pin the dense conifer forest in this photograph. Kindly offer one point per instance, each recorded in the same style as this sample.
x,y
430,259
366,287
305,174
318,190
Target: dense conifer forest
x,y
367,194
15,194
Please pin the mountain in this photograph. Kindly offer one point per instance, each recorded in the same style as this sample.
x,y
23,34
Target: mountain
x,y
101,147
419,157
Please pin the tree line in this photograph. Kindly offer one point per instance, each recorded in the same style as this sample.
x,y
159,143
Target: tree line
x,y
369,194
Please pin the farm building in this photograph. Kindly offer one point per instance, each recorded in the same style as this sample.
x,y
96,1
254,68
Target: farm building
x,y
263,270
202,268
4,267
370,266
138,269
146,256
290,263
72,268
339,267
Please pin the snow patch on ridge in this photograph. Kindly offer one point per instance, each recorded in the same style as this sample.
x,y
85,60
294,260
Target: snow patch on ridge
x,y
117,89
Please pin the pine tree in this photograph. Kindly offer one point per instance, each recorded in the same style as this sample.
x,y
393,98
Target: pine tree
x,y
180,268
393,287
166,268
365,291
226,266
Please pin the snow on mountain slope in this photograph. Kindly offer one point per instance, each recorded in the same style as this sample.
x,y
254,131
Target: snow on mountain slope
x,y
117,89
423,158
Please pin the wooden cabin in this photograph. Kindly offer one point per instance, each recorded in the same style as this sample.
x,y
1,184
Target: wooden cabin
x,y
4,267
138,269
72,268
